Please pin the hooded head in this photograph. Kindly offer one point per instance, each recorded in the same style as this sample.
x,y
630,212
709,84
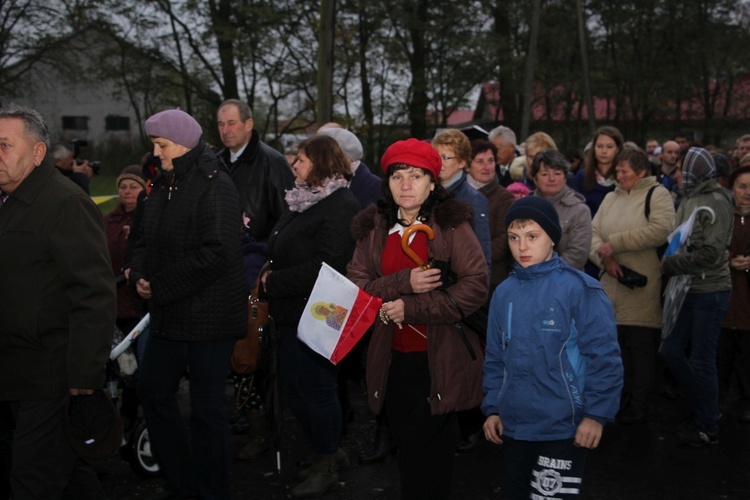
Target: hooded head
x,y
697,168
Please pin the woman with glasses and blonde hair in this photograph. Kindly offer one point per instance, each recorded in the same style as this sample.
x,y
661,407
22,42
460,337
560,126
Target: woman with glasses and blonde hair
x,y
454,149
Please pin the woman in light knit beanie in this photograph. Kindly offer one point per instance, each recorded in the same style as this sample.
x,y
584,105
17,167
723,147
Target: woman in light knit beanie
x,y
187,264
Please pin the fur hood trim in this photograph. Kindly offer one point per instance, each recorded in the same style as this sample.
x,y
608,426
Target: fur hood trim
x,y
448,214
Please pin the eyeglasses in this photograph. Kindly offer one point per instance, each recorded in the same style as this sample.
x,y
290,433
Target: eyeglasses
x,y
446,157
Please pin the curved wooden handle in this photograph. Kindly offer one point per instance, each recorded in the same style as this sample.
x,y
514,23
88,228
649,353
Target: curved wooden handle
x,y
405,242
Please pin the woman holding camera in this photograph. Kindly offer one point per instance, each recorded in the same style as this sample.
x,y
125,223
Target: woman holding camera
x,y
631,223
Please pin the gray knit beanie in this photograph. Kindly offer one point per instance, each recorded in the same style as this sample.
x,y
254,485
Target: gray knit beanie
x,y
175,125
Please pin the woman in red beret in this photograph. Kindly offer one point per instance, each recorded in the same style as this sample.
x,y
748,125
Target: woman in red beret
x,y
421,368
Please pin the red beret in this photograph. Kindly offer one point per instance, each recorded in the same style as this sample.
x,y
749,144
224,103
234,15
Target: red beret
x,y
415,153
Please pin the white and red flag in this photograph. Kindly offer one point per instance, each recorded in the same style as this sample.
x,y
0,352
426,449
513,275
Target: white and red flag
x,y
337,315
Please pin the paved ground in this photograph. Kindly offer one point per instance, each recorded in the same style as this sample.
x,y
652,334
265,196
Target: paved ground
x,y
633,462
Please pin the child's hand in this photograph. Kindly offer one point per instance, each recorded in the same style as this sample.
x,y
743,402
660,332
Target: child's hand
x,y
493,429
588,435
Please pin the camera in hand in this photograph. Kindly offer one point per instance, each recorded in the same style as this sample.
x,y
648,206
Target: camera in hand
x,y
82,143
632,279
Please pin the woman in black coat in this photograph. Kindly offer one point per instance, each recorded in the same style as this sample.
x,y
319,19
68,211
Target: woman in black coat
x,y
313,231
187,264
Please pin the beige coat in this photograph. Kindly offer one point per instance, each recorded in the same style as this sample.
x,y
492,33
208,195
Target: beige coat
x,y
621,221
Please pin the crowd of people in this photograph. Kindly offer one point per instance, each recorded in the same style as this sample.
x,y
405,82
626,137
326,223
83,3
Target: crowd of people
x,y
558,255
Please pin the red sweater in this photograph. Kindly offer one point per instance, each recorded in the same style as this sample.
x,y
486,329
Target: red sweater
x,y
407,338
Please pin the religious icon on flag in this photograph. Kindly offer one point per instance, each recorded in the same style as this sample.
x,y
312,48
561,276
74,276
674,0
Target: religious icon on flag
x,y
337,315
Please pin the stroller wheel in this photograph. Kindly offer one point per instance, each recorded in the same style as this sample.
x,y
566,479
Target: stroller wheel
x,y
142,460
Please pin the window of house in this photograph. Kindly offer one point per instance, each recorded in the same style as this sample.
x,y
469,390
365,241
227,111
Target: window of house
x,y
75,122
114,122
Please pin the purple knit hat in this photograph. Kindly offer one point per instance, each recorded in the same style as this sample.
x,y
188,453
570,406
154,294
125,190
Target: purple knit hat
x,y
175,125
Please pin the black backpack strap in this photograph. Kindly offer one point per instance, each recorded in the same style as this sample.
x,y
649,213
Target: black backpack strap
x,y
648,199
663,247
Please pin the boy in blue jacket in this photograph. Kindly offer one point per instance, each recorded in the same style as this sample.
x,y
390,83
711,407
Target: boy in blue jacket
x,y
552,371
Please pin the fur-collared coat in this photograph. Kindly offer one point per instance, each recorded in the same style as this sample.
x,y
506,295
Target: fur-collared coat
x,y
455,359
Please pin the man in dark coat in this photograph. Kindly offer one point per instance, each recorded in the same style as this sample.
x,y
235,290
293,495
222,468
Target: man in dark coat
x,y
57,304
504,140
261,175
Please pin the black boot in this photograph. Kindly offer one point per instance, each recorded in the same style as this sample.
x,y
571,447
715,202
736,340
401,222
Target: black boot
x,y
323,477
342,463
383,446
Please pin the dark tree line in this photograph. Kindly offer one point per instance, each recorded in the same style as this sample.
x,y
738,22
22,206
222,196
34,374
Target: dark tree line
x,y
399,66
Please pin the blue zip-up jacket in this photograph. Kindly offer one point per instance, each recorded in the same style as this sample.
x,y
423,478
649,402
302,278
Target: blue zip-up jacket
x,y
552,354
481,207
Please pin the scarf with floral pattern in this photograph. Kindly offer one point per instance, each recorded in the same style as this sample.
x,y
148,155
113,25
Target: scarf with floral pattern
x,y
302,196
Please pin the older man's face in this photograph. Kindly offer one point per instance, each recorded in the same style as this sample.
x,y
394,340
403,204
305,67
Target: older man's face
x,y
19,153
234,132
505,151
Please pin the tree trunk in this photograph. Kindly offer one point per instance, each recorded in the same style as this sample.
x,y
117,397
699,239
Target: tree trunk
x,y
507,83
528,85
585,67
418,66
364,78
325,61
225,35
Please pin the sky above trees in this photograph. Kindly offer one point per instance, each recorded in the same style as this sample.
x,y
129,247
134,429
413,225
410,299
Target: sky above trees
x,y
396,62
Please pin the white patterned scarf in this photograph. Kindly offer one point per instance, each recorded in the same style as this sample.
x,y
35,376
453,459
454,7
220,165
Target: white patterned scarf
x,y
302,196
